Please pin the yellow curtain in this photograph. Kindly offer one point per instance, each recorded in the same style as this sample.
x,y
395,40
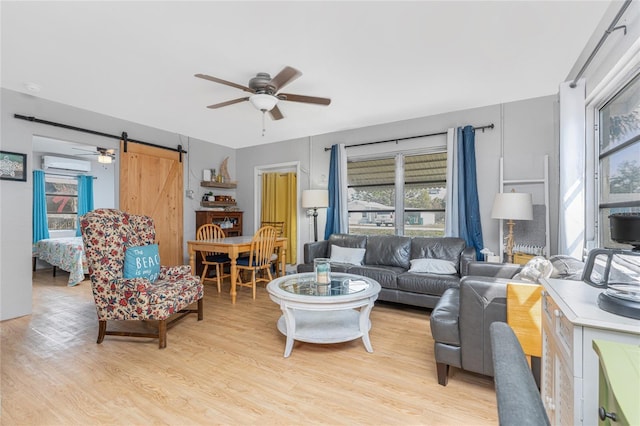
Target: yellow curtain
x,y
279,204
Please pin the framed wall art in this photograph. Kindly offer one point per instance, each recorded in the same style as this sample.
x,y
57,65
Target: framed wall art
x,y
13,166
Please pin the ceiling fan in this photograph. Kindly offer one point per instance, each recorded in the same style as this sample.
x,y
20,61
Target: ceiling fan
x,y
105,156
264,92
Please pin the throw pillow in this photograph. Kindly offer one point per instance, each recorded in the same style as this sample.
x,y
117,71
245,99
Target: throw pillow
x,y
566,267
142,262
353,256
433,266
536,268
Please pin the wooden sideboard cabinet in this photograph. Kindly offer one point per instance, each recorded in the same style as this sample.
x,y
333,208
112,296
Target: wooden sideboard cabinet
x,y
218,217
571,321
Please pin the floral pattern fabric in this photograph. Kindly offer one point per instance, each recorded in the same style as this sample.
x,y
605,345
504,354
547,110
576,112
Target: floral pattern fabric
x,y
66,254
106,234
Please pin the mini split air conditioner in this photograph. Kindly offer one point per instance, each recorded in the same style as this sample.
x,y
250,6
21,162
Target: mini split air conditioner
x,y
59,163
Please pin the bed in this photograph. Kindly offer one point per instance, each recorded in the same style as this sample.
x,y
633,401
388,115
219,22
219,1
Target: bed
x,y
66,254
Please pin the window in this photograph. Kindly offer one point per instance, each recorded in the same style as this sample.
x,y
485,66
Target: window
x,y
373,204
62,202
619,158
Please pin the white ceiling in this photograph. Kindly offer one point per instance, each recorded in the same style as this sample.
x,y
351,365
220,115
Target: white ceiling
x,y
379,62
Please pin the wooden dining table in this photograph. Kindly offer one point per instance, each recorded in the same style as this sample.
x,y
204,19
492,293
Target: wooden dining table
x,y
232,246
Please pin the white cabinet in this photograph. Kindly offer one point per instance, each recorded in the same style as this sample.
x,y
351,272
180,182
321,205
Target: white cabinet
x,y
571,320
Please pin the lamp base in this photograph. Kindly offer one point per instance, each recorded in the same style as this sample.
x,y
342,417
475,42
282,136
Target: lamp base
x,y
509,245
315,224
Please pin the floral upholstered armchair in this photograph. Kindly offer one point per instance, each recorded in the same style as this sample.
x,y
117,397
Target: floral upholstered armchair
x,y
127,280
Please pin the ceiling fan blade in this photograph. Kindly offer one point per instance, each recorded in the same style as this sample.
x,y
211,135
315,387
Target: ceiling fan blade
x,y
225,82
284,77
302,98
276,114
231,102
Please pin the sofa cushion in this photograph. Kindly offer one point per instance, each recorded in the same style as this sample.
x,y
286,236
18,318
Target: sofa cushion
x,y
385,275
437,248
335,267
346,240
424,283
390,250
350,255
433,266
340,267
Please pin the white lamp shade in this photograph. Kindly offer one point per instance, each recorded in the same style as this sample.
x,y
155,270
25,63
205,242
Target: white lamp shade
x,y
263,102
315,198
512,205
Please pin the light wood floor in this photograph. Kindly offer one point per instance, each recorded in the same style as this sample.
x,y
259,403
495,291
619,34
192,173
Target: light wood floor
x,y
227,369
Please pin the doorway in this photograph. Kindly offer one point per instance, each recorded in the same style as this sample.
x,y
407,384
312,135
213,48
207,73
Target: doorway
x,y
292,168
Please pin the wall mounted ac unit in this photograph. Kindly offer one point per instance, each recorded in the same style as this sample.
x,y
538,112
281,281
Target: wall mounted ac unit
x,y
59,163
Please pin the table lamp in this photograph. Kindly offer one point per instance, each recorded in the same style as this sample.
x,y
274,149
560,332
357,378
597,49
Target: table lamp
x,y
512,206
315,199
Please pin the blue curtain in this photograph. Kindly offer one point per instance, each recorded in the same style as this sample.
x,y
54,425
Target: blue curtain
x,y
85,198
470,228
40,226
337,215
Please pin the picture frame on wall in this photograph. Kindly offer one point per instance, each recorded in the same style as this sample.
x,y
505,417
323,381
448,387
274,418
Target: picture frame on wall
x,y
13,166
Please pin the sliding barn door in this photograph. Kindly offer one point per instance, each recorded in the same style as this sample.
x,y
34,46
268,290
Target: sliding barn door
x,y
151,183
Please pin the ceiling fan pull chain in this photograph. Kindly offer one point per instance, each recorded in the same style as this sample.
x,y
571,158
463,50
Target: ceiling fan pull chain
x,y
263,114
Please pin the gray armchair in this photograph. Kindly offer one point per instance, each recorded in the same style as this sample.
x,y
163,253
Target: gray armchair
x,y
461,319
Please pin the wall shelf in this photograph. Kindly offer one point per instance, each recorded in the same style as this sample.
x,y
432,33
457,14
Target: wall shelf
x,y
211,184
217,203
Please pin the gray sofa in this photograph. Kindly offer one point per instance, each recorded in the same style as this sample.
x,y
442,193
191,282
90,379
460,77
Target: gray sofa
x,y
387,259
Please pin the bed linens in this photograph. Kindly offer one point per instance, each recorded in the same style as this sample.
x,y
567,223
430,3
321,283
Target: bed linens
x,y
66,254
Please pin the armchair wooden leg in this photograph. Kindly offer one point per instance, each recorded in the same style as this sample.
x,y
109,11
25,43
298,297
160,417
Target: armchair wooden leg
x,y
102,330
200,310
162,333
443,373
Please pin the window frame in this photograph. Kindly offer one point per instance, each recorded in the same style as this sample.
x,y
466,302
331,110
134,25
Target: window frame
x,y
399,185
50,178
600,101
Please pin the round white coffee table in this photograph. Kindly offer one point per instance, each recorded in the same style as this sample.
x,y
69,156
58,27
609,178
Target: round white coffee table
x,y
324,313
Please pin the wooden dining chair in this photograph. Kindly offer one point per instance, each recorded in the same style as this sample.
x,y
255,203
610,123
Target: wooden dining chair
x,y
259,259
275,258
210,231
278,225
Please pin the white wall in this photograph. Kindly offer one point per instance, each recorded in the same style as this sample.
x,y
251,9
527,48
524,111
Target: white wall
x,y
525,132
16,197
611,67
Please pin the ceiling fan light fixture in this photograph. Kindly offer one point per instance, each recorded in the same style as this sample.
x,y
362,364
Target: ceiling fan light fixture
x,y
105,159
263,102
